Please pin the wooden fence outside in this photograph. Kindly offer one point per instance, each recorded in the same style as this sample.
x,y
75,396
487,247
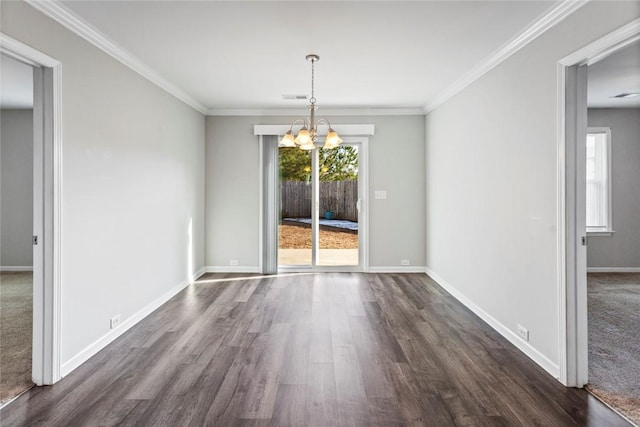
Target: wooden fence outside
x,y
340,197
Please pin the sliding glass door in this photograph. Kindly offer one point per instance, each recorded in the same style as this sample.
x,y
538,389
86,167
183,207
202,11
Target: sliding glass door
x,y
319,207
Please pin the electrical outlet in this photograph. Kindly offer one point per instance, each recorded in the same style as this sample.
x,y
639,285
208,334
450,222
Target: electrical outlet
x,y
233,262
523,333
380,194
115,321
404,262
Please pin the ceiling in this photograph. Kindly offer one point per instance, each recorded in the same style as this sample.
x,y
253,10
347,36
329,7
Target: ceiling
x,y
16,84
373,54
616,74
243,56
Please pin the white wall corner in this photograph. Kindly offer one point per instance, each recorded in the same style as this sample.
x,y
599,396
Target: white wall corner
x,y
197,274
543,361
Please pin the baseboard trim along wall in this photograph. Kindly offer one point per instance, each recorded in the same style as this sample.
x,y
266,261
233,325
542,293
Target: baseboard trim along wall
x,y
70,365
539,358
613,269
398,269
16,268
232,269
249,269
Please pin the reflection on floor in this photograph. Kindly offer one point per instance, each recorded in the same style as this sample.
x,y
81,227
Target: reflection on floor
x,y
614,340
16,294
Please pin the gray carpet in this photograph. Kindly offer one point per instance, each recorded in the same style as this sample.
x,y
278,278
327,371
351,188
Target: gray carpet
x,y
614,340
16,295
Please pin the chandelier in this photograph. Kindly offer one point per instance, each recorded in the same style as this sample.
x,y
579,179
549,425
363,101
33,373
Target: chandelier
x,y
308,134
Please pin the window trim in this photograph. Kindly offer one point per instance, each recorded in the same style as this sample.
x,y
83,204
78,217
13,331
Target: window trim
x,y
608,229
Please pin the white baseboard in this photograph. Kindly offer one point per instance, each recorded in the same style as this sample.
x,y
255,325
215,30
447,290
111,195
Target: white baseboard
x,y
77,360
539,358
232,269
613,269
16,268
398,269
197,274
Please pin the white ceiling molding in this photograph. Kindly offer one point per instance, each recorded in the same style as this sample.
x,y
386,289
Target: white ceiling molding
x,y
605,46
322,111
72,22
344,130
536,29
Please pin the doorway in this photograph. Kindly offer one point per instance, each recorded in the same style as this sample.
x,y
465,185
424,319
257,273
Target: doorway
x,y
45,238
613,230
572,236
16,254
320,206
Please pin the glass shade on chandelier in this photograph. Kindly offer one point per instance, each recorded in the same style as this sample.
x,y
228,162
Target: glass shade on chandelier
x,y
332,140
308,134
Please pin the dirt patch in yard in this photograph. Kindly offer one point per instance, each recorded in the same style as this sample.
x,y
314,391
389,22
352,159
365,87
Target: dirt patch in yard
x,y
298,236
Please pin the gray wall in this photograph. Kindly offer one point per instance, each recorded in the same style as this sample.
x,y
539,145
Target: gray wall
x,y
16,188
396,164
492,183
133,183
622,249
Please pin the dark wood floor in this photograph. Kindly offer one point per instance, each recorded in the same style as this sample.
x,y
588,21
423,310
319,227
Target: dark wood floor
x,y
317,349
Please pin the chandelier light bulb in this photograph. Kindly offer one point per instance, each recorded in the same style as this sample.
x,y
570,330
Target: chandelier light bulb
x,y
304,137
288,140
332,140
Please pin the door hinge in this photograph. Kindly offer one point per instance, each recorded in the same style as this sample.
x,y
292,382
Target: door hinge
x,y
34,240
584,240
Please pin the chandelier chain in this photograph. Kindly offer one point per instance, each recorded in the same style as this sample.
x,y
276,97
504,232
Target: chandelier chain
x,y
313,98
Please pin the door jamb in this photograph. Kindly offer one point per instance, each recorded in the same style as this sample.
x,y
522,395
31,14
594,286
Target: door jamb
x,y
46,306
572,302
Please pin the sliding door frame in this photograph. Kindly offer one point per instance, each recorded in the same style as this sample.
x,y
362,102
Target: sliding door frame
x,y
352,134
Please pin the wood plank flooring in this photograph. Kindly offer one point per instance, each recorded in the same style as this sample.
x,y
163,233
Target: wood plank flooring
x,y
331,349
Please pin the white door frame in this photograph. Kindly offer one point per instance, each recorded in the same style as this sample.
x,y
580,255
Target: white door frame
x,y
47,208
571,213
355,133
362,143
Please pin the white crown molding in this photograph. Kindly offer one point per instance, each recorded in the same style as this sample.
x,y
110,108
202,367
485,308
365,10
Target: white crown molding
x,y
77,25
325,111
344,130
605,46
536,29
68,19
